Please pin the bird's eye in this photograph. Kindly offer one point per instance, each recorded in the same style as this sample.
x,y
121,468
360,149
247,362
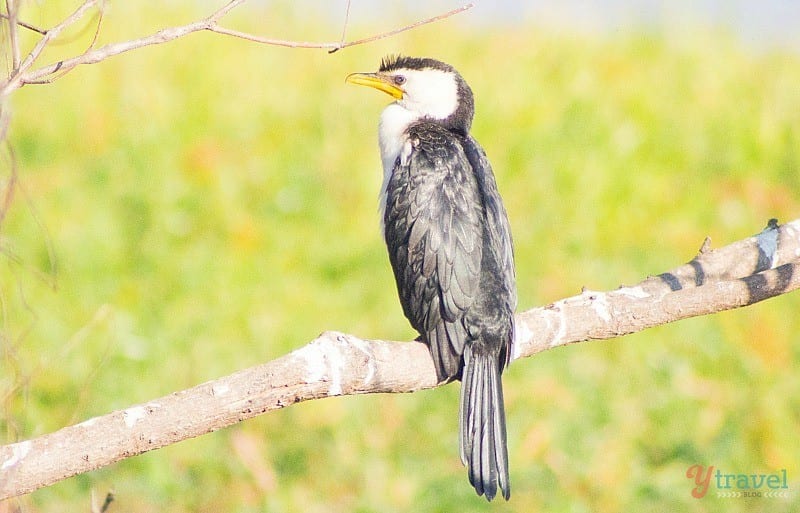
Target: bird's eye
x,y
399,79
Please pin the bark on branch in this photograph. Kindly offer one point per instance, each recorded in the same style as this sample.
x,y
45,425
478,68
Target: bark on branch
x,y
743,273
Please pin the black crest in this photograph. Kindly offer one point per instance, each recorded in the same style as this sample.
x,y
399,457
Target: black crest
x,y
394,62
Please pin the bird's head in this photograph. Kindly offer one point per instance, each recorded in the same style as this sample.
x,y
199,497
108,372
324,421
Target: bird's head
x,y
427,88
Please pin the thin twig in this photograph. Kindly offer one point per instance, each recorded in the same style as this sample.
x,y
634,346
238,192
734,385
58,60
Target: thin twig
x,y
100,13
344,27
211,23
410,27
220,13
346,21
334,45
16,79
13,36
98,21
79,33
25,25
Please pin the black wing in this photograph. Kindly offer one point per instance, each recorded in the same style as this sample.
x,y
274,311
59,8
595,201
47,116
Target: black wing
x,y
433,225
498,242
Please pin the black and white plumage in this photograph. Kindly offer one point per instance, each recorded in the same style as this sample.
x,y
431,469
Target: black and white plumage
x,y
449,244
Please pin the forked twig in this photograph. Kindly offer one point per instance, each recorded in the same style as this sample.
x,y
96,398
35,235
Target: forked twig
x,y
17,77
51,72
344,28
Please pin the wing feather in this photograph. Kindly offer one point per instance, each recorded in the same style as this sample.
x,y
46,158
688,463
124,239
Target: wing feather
x,y
498,234
433,225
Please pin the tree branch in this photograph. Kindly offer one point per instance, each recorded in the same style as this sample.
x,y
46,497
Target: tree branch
x,y
740,274
22,74
743,273
17,77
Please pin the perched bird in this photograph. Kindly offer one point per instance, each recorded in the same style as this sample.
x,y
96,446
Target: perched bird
x,y
450,247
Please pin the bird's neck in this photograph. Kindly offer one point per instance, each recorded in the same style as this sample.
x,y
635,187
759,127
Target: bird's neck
x,y
392,137
393,141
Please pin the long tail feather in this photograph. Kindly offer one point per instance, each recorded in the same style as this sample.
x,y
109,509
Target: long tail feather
x,y
482,430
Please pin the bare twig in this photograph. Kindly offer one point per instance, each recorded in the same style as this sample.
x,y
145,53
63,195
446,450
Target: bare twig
x,y
409,27
333,45
338,364
47,73
25,25
16,79
13,37
344,28
98,22
81,32
100,13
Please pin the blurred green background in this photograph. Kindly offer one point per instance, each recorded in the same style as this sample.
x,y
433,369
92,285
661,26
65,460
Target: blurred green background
x,y
192,209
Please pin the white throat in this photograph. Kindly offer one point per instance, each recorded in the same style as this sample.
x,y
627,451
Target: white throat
x,y
394,143
392,136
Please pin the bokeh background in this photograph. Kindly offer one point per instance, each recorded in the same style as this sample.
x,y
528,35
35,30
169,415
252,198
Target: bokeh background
x,y
192,209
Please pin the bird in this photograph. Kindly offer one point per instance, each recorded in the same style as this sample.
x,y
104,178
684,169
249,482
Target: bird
x,y
450,248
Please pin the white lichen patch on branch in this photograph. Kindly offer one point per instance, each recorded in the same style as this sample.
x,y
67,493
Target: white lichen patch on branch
x,y
336,363
324,361
220,389
18,452
136,413
133,415
554,314
540,329
314,359
561,331
633,292
599,303
328,358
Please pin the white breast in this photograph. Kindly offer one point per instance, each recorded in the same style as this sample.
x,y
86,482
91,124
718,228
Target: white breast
x,y
394,143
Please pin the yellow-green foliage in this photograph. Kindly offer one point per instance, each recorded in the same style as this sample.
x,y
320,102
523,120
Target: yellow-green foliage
x,y
210,204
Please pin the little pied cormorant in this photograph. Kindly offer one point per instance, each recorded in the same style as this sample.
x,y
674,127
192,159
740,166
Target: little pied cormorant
x,y
450,248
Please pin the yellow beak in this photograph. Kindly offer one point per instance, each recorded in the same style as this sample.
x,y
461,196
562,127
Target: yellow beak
x,y
378,82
